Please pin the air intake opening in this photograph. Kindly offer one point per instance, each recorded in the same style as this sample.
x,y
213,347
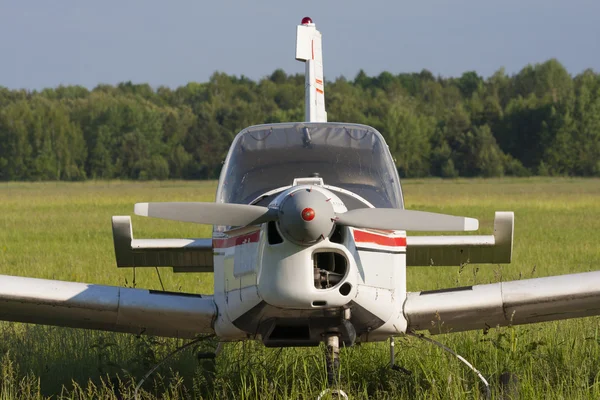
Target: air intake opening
x,y
329,269
273,236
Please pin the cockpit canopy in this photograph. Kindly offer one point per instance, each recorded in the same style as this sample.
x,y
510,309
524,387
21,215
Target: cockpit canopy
x,y
353,157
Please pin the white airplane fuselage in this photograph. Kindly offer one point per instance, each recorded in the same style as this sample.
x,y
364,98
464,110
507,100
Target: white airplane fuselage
x,y
351,282
267,287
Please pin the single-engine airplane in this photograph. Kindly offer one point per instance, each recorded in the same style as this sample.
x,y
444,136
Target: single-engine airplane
x,y
309,245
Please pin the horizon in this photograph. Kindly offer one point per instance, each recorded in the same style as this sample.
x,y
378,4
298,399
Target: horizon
x,y
266,76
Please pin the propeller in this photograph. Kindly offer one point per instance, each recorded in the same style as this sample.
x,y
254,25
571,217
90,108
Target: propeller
x,y
408,220
306,216
207,213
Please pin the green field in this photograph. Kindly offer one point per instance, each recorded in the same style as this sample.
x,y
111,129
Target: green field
x,y
62,231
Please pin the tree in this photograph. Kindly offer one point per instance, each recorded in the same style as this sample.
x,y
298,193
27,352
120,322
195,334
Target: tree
x,y
408,136
469,83
540,120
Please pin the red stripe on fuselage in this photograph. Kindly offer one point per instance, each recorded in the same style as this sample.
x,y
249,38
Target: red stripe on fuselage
x,y
223,243
368,237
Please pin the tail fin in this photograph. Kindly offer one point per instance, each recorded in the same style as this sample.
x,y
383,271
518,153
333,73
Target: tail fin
x,y
308,49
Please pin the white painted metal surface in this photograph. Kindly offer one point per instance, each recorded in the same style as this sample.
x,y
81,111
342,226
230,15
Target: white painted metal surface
x,y
286,277
80,305
458,250
505,303
309,50
193,255
381,263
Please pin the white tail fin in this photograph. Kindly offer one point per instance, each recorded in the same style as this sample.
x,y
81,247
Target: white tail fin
x,y
308,50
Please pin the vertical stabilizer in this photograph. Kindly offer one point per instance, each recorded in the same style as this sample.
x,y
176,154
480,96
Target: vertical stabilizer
x,y
308,50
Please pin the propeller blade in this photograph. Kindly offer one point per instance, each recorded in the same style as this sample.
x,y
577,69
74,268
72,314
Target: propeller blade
x,y
207,213
396,219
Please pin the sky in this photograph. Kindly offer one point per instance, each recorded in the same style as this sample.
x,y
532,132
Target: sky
x,y
47,43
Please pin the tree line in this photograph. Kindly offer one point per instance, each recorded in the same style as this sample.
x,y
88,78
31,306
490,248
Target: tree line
x,y
539,121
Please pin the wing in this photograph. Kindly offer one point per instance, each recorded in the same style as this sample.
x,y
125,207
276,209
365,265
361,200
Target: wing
x,y
109,308
505,303
120,309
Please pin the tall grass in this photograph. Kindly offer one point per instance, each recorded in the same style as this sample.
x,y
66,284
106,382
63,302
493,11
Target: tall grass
x,y
62,231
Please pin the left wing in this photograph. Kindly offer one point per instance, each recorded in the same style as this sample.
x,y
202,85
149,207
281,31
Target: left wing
x,y
504,303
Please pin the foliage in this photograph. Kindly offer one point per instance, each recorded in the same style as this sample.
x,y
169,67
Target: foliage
x,y
538,121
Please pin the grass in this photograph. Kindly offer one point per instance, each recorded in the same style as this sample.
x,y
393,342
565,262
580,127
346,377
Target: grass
x,y
62,231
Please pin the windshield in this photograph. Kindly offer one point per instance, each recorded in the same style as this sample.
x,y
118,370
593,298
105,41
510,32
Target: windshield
x,y
349,156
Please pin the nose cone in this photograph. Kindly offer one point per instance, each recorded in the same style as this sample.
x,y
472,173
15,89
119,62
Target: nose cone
x,y
308,214
306,217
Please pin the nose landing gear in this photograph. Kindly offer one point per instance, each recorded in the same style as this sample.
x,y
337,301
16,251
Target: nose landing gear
x,y
332,360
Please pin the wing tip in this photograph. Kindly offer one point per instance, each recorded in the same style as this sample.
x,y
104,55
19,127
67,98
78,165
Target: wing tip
x,y
141,209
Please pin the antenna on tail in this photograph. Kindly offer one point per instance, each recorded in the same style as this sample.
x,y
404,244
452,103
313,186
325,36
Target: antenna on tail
x,y
308,50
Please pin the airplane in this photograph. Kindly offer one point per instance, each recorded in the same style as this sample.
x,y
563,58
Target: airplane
x,y
309,245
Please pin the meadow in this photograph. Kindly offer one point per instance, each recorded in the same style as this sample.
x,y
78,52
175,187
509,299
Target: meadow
x,y
62,231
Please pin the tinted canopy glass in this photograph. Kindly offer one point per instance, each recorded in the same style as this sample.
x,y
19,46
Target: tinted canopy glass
x,y
349,156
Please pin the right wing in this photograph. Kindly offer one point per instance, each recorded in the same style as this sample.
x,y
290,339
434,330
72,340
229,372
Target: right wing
x,y
120,309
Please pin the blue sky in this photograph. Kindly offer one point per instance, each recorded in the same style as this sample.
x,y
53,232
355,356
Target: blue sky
x,y
53,42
